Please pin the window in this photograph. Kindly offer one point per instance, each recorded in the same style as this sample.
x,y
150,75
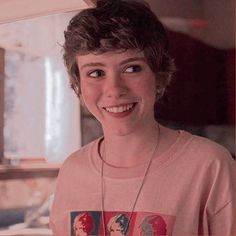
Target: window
x,y
40,113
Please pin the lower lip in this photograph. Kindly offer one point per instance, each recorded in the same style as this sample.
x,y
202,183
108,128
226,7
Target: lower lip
x,y
121,114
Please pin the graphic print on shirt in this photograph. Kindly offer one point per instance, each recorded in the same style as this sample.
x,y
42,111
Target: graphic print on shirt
x,y
85,223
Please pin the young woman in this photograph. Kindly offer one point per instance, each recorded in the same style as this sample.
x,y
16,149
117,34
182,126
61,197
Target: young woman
x,y
162,181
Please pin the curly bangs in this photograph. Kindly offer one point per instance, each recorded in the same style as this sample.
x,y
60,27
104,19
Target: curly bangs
x,y
118,25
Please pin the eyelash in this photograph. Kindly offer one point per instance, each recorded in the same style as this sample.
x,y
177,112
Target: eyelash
x,y
135,69
96,71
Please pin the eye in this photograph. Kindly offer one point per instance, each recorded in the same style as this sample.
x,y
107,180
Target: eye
x,y
96,73
133,69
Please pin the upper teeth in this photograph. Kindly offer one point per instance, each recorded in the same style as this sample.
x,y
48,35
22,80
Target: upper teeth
x,y
119,108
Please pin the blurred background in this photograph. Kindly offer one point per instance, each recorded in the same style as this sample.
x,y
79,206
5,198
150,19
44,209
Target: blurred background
x,y
42,122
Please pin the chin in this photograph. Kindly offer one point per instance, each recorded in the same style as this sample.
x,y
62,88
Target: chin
x,y
121,131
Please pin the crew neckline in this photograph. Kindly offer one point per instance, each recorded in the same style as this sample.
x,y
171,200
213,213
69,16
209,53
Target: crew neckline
x,y
136,171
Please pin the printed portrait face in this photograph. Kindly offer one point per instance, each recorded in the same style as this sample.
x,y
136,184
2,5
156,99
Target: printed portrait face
x,y
80,229
153,226
117,225
83,224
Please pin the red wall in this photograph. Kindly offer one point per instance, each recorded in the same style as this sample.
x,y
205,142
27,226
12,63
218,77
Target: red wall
x,y
202,90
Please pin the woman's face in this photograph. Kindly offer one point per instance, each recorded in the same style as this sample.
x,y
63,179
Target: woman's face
x,y
119,89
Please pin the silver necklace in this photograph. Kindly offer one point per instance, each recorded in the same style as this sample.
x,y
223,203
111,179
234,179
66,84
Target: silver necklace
x,y
139,190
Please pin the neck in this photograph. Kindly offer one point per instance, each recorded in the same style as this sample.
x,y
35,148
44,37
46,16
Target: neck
x,y
132,149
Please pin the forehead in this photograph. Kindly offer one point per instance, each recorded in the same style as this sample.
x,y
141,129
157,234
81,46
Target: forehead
x,y
109,57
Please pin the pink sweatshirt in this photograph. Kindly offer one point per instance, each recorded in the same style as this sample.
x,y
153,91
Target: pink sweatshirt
x,y
189,191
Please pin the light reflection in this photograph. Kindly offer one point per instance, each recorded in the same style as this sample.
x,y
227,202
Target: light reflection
x,y
41,111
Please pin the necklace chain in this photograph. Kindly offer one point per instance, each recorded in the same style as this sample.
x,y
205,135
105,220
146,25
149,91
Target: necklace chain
x,y
138,193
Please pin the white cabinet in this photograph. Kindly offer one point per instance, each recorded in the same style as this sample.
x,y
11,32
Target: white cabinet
x,y
13,10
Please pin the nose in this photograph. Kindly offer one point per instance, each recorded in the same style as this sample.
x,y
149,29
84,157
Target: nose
x,y
115,86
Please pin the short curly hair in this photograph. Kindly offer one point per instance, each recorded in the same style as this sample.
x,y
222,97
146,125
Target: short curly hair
x,y
118,25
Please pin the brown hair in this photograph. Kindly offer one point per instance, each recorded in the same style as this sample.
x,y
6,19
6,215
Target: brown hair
x,y
118,25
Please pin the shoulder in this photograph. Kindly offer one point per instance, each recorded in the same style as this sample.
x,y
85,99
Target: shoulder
x,y
80,157
205,148
193,147
212,166
207,156
216,167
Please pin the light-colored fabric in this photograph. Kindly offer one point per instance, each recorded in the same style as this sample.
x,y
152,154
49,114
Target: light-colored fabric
x,y
189,191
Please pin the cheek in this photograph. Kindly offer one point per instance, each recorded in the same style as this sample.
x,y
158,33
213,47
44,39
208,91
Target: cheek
x,y
85,100
87,93
147,90
90,88
147,84
151,87
89,99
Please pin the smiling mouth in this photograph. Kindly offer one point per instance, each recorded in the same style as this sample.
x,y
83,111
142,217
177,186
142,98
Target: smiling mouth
x,y
120,109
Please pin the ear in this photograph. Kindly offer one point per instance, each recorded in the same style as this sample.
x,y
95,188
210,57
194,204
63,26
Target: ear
x,y
159,87
159,90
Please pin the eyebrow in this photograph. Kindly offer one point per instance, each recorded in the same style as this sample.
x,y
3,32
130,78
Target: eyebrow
x,y
131,59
